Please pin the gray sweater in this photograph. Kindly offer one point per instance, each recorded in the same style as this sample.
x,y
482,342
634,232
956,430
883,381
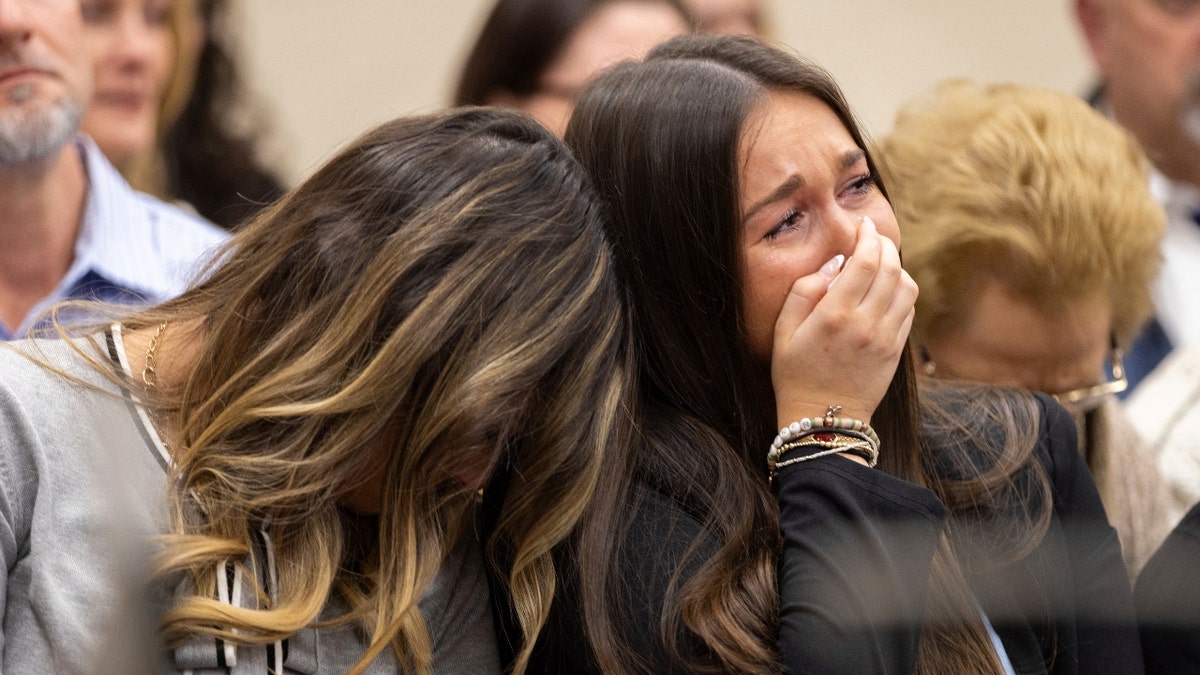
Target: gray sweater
x,y
82,491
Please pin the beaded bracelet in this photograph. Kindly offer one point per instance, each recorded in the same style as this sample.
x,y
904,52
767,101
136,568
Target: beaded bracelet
x,y
815,429
804,458
823,438
829,421
846,438
826,438
860,449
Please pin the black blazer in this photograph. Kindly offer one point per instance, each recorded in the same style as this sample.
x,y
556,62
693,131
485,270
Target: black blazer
x,y
1168,601
858,545
1067,606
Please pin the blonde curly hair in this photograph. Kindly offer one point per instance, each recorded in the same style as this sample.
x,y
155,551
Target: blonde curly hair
x,y
1028,187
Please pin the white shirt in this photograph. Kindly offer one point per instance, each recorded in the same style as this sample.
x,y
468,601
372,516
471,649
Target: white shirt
x,y
131,247
1177,290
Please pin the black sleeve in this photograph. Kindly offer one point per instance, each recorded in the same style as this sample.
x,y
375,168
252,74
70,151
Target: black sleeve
x,y
1168,601
858,544
1106,638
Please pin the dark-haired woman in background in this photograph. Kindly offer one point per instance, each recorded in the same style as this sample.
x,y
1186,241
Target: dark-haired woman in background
x,y
210,161
537,55
759,256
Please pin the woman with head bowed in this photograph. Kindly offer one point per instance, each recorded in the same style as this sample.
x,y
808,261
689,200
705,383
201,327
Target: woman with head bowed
x,y
1030,228
304,433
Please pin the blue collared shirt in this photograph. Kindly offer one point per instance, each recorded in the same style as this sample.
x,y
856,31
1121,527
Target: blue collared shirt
x,y
131,247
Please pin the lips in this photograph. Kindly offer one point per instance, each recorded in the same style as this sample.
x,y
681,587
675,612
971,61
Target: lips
x,y
124,98
21,73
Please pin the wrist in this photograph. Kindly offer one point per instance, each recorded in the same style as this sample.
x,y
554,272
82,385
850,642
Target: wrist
x,y
810,438
787,412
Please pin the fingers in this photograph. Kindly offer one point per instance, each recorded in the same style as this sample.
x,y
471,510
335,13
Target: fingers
x,y
859,274
903,303
888,278
803,297
838,338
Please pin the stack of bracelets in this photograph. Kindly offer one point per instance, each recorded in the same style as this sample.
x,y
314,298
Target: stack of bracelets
x,y
823,436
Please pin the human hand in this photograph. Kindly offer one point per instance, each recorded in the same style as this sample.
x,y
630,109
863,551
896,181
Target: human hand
x,y
839,343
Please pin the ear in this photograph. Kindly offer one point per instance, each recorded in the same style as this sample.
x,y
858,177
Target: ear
x,y
1092,18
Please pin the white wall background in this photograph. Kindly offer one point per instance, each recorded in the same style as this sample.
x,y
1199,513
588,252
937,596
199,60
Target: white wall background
x,y
326,70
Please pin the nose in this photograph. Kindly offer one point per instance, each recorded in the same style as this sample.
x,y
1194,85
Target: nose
x,y
843,232
14,24
134,41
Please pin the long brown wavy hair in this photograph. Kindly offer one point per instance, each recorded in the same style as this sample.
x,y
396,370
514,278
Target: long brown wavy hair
x,y
660,141
436,301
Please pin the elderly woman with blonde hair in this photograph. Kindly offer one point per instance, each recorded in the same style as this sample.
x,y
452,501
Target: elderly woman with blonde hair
x,y
1031,232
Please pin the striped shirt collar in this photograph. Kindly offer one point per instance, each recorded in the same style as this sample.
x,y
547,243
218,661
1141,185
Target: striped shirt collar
x,y
110,215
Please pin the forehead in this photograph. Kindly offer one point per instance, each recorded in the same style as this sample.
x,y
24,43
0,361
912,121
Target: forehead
x,y
1006,326
615,31
795,117
788,133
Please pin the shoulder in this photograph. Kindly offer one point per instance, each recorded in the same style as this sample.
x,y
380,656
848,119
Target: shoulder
x,y
1168,601
1170,391
1175,561
180,241
1058,452
137,242
53,400
974,429
1057,433
457,608
660,534
36,368
1165,408
990,423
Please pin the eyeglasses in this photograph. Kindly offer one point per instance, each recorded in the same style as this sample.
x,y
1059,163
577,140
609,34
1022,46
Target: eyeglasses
x,y
1089,398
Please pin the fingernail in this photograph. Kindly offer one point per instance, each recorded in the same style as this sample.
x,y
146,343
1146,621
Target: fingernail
x,y
867,221
834,265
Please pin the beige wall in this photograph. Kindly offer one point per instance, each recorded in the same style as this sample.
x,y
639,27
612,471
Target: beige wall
x,y
327,70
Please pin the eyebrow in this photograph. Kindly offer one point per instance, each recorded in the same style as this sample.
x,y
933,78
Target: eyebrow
x,y
796,181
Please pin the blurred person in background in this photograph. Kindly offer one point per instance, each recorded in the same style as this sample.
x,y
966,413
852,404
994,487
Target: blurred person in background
x,y
735,17
167,97
139,59
71,226
1147,53
1031,231
537,55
